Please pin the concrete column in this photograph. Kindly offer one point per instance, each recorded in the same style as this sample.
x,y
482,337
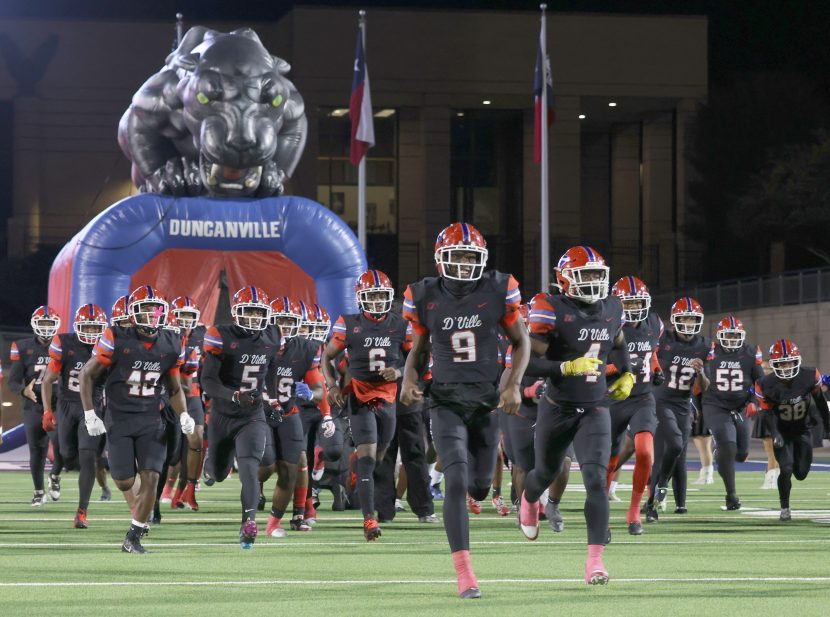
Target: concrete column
x,y
435,147
565,180
689,252
596,191
657,199
625,199
531,213
411,196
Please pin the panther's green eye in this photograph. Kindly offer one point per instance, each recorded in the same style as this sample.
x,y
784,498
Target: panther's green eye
x,y
202,98
277,100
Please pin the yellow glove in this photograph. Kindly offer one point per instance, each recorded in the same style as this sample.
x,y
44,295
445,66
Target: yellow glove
x,y
581,366
622,387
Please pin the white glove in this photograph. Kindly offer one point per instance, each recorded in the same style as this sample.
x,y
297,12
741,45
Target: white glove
x,y
188,423
94,424
328,427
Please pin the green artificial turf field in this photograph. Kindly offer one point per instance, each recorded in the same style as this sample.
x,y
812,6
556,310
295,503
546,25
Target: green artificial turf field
x,y
709,562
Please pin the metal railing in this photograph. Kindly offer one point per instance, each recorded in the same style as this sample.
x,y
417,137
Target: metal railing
x,y
787,288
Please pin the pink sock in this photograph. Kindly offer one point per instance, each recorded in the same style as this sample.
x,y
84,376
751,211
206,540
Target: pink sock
x,y
595,551
464,571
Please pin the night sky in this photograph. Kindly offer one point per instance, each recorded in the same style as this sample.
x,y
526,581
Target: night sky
x,y
744,36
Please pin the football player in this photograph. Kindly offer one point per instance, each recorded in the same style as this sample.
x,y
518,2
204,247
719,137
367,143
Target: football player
x,y
315,325
683,355
29,359
638,413
461,312
186,316
375,341
294,377
237,358
69,353
785,400
137,362
577,330
734,366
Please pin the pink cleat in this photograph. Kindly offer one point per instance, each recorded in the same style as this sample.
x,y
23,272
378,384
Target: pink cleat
x,y
529,518
595,572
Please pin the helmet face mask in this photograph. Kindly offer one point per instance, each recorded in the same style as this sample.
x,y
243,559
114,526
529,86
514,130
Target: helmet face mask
x,y
687,323
376,300
320,331
786,368
148,315
46,327
90,323
251,316
635,308
731,338
289,324
187,318
461,263
587,283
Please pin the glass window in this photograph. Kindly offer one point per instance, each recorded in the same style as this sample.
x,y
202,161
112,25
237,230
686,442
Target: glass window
x,y
337,182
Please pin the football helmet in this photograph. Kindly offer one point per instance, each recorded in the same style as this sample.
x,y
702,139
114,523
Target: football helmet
x,y
582,274
90,322
147,309
250,308
45,322
730,332
635,298
185,312
461,252
286,314
687,316
784,359
321,325
119,311
374,292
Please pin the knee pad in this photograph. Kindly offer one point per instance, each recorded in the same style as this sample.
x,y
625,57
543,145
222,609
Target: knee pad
x,y
594,478
741,456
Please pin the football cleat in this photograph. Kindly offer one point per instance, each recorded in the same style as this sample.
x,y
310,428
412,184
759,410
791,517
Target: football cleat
x,y
473,593
660,498
39,499
681,510
338,503
399,507
529,518
635,528
595,572
785,516
260,504
651,514
274,529
167,494
310,511
247,534
80,519
371,531
189,497
106,494
612,496
554,516
733,502
176,500
608,536
435,490
133,545
299,524
428,518
54,487
500,506
472,505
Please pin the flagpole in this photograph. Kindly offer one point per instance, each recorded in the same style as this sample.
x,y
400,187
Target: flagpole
x,y
361,169
545,222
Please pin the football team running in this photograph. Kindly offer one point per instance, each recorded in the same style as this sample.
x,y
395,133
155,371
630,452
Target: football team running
x,y
464,379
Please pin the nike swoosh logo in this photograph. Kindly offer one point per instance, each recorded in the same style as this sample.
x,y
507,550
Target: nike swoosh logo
x,y
481,305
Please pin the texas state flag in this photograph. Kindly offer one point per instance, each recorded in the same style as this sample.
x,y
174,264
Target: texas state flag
x,y
360,106
541,76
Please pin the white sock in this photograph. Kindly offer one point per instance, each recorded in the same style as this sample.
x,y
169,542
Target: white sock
x,y
435,477
613,488
707,470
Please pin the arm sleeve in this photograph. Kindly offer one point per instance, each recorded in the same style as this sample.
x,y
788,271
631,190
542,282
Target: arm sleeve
x,y
512,300
211,383
16,373
191,365
338,333
407,342
763,402
539,366
541,316
410,313
213,342
104,348
313,376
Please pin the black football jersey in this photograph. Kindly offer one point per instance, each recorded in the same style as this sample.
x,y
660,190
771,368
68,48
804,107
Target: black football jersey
x,y
245,360
193,355
373,345
675,356
732,375
574,329
290,364
464,330
29,361
71,354
789,400
134,381
642,340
